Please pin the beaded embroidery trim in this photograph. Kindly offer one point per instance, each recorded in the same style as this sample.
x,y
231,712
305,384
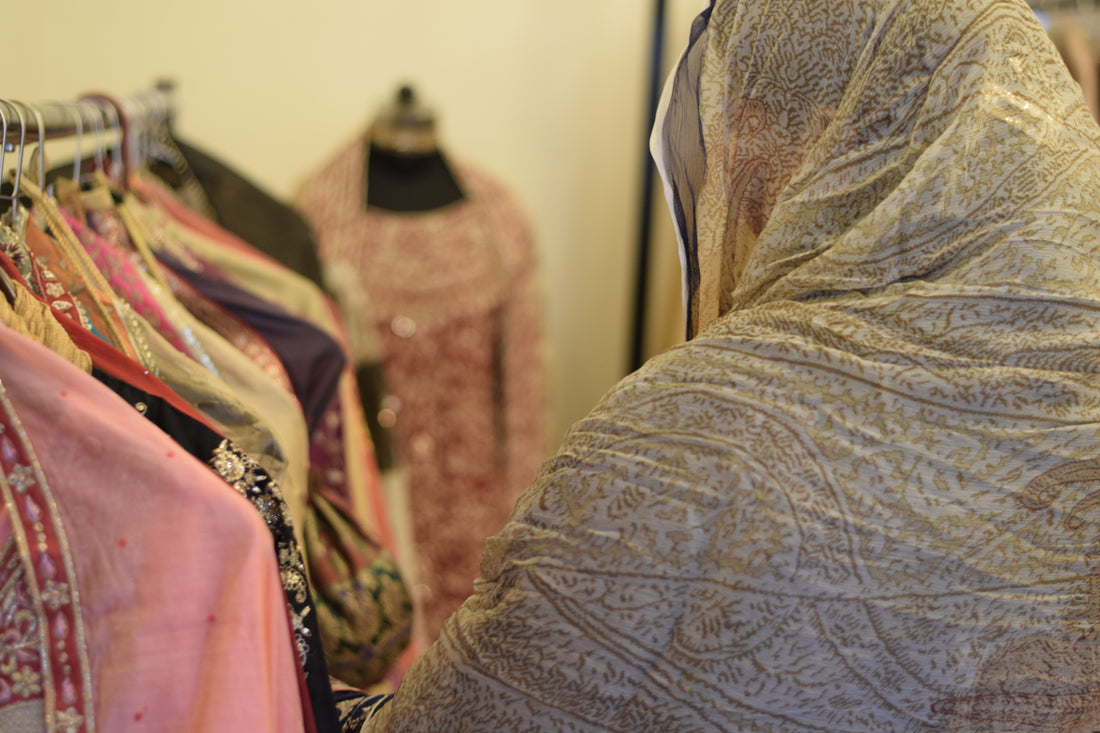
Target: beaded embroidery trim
x,y
42,649
250,480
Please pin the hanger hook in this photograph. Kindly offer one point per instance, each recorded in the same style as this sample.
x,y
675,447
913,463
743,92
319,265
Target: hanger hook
x,y
18,160
116,125
73,110
139,128
78,123
98,129
122,143
40,152
146,118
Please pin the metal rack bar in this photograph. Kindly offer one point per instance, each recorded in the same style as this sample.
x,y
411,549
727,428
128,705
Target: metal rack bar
x,y
71,118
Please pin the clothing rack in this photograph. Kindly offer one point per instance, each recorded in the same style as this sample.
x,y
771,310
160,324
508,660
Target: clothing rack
x,y
52,120
117,129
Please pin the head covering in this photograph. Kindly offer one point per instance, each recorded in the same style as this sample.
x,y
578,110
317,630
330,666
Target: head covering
x,y
841,141
864,496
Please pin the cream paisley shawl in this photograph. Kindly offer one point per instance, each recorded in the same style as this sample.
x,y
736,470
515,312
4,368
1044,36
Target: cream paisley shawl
x,y
866,495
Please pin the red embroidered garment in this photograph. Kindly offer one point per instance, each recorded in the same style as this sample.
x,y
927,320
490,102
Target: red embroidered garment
x,y
44,669
453,300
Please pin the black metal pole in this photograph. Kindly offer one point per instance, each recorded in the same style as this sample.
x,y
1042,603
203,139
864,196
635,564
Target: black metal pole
x,y
641,281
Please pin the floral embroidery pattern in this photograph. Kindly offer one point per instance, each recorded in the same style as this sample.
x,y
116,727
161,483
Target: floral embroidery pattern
x,y
55,595
20,640
26,682
11,245
68,720
42,654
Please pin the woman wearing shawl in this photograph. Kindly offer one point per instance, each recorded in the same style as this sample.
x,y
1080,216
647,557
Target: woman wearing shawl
x,y
865,495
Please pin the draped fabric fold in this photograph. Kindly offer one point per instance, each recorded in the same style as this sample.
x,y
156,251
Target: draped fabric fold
x,y
862,497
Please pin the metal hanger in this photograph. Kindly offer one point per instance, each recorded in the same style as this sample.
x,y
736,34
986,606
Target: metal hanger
x,y
140,119
38,155
17,174
99,131
74,111
120,158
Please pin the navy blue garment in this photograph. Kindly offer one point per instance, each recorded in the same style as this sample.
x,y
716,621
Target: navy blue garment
x,y
313,360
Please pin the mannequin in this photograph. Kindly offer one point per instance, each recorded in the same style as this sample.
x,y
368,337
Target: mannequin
x,y
433,260
404,167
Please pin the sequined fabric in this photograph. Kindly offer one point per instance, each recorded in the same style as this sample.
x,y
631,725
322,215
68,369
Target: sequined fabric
x,y
245,475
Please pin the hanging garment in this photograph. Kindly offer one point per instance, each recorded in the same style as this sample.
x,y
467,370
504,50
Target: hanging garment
x,y
863,496
71,283
362,599
251,481
228,368
124,279
112,533
60,265
254,215
36,320
195,434
358,584
361,571
227,371
206,244
454,306
312,359
230,327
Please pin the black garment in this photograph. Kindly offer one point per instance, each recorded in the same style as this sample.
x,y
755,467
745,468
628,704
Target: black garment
x,y
409,182
371,380
254,215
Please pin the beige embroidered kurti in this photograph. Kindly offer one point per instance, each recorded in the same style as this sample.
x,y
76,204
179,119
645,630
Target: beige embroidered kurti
x,y
864,497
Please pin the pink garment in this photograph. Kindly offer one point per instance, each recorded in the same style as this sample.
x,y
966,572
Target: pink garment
x,y
125,280
455,305
185,625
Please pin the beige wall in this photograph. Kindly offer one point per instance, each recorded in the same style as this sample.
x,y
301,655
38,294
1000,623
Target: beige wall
x,y
548,96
